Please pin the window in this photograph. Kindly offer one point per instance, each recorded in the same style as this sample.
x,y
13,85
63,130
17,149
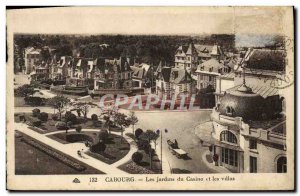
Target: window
x,y
210,78
281,165
228,136
230,157
252,144
210,69
229,110
253,164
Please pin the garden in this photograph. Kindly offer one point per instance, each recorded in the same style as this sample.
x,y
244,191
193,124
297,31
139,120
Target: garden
x,y
145,160
108,148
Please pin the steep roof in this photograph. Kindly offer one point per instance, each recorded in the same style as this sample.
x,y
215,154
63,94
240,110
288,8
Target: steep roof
x,y
211,65
208,50
265,59
179,76
140,71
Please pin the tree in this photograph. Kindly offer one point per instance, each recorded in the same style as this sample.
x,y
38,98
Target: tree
x,y
70,117
137,157
108,114
83,107
122,121
94,117
133,120
138,132
103,135
59,103
24,90
149,136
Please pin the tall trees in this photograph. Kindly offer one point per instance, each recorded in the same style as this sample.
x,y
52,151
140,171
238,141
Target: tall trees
x,y
133,120
149,136
59,103
122,121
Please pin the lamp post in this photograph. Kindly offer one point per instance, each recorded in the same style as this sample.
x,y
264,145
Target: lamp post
x,y
161,146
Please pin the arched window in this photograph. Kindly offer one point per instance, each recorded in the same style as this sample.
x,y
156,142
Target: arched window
x,y
229,110
281,165
227,136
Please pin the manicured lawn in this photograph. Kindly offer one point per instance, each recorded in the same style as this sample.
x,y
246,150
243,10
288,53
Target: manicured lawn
x,y
116,147
32,161
62,137
144,166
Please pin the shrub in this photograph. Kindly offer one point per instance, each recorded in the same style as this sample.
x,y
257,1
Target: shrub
x,y
94,117
47,81
99,147
103,135
43,116
35,101
78,129
36,112
24,91
138,132
34,121
55,117
70,117
61,125
137,157
143,145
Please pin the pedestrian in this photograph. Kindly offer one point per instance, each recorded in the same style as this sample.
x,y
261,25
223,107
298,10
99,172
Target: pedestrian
x,y
79,153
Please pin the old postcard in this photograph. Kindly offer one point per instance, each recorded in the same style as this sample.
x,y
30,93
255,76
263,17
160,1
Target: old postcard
x,y
150,98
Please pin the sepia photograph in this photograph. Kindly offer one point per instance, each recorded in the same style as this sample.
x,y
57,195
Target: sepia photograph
x,y
160,98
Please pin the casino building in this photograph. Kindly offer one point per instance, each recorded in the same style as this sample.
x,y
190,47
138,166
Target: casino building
x,y
249,130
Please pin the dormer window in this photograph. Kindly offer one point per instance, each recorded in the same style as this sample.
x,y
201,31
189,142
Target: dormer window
x,y
229,110
210,69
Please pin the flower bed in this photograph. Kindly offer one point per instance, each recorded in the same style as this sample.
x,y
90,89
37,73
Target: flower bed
x,y
51,152
133,168
72,138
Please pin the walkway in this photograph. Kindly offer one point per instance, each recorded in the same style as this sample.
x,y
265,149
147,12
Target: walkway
x,y
71,151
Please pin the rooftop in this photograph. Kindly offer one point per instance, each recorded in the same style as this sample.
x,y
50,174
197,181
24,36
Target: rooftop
x,y
266,124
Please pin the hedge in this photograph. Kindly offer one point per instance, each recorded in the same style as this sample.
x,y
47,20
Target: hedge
x,y
35,101
70,92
